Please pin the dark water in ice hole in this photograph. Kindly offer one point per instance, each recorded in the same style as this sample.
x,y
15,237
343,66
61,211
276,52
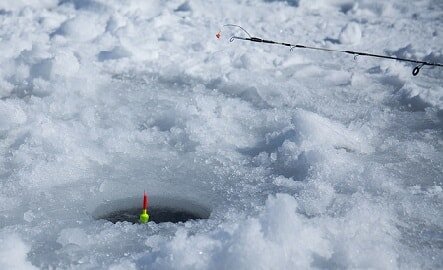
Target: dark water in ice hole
x,y
157,215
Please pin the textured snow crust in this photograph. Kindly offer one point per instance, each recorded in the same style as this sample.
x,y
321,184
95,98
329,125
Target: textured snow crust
x,y
307,160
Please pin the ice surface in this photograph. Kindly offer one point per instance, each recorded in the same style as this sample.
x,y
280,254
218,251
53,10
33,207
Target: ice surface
x,y
303,159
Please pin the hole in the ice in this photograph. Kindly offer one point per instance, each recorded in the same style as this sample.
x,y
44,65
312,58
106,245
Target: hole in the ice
x,y
161,210
158,215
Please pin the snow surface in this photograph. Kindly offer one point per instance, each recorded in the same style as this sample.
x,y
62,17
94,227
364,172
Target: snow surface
x,y
306,159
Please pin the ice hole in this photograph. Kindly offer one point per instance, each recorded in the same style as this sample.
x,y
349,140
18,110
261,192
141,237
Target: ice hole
x,y
161,209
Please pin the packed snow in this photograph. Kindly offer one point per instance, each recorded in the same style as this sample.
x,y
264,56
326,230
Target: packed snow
x,y
305,159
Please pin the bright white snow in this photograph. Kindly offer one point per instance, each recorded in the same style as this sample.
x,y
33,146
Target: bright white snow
x,y
306,159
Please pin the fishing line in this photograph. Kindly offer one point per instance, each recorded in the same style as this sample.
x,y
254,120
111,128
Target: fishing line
x,y
251,38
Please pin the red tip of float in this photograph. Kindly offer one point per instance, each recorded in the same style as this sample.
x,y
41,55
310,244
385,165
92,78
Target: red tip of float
x,y
145,200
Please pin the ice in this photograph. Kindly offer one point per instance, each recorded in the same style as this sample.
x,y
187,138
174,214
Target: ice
x,y
300,159
28,216
74,236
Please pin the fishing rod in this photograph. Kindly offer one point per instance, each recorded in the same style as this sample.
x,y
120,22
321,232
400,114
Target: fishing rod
x,y
250,38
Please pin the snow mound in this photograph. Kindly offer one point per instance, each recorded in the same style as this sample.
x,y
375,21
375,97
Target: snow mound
x,y
13,253
350,34
253,242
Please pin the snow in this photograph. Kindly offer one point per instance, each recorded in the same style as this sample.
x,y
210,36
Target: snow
x,y
305,159
13,252
350,34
